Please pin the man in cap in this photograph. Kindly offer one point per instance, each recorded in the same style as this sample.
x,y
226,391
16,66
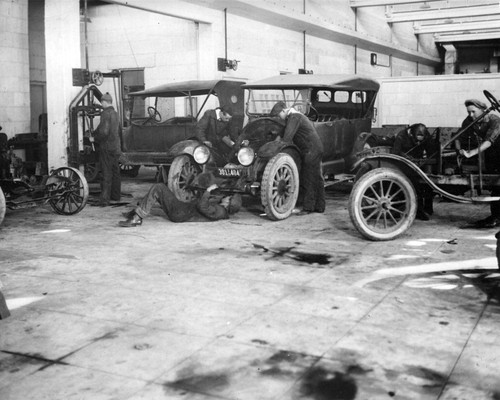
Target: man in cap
x,y
300,131
215,129
415,142
487,133
107,137
208,208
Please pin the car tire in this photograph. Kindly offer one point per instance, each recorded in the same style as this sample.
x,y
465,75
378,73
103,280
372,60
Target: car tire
x,y
280,187
2,206
182,171
382,204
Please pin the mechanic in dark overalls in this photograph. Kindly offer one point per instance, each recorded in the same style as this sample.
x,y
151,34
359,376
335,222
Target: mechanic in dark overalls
x,y
488,129
107,137
300,130
415,142
208,208
215,130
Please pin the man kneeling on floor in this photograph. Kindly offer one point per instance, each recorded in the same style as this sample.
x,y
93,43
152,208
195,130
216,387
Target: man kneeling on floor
x,y
204,209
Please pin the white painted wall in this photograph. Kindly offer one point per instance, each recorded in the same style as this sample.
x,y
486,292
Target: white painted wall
x,y
171,48
432,100
14,67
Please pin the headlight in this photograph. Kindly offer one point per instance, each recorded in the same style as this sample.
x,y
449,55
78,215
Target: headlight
x,y
201,154
246,156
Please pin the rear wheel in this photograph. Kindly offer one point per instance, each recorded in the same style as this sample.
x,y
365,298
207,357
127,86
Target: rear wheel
x,y
382,204
2,206
182,171
68,190
280,186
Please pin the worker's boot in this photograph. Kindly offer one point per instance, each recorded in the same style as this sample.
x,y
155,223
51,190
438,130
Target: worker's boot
x,y
131,222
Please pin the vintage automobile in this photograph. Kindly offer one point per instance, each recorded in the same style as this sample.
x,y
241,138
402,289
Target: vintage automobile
x,y
154,127
383,201
341,107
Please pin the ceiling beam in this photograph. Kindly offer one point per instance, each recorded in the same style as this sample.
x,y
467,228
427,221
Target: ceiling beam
x,y
372,3
465,37
288,18
443,13
458,27
176,9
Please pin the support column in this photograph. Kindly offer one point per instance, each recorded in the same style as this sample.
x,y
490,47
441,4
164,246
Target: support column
x,y
62,44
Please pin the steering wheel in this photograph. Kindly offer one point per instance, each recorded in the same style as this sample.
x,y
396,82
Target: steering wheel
x,y
154,114
494,102
314,115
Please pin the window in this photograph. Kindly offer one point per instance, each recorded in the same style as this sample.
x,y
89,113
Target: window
x,y
262,101
341,97
358,97
324,96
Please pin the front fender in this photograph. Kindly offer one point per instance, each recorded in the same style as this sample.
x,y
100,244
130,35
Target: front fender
x,y
411,171
184,147
270,149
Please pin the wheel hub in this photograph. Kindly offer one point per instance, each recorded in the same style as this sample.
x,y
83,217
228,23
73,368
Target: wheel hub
x,y
282,188
384,204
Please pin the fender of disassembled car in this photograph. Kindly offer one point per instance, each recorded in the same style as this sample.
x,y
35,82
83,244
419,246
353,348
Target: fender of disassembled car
x,y
407,168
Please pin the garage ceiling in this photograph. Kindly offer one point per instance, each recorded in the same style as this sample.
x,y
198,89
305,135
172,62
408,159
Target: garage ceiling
x,y
450,21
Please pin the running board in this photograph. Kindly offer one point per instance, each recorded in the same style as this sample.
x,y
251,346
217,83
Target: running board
x,y
484,199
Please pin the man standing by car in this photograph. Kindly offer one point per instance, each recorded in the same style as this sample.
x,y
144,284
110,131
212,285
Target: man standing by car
x,y
300,130
215,129
488,128
107,137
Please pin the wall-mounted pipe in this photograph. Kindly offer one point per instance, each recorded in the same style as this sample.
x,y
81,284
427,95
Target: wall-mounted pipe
x,y
225,33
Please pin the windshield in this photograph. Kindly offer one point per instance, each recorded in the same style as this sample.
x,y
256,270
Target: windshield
x,y
168,107
261,101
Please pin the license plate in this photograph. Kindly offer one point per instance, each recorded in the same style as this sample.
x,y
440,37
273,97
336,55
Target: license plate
x,y
229,172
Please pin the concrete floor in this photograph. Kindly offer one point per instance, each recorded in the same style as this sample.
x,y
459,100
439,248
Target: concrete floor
x,y
246,309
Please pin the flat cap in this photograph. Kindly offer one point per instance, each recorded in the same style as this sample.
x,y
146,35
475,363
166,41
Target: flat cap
x,y
277,108
475,103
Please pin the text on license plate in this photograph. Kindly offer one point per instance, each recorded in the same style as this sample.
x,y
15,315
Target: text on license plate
x,y
229,172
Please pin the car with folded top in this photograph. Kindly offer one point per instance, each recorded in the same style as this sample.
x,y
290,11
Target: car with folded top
x,y
341,108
